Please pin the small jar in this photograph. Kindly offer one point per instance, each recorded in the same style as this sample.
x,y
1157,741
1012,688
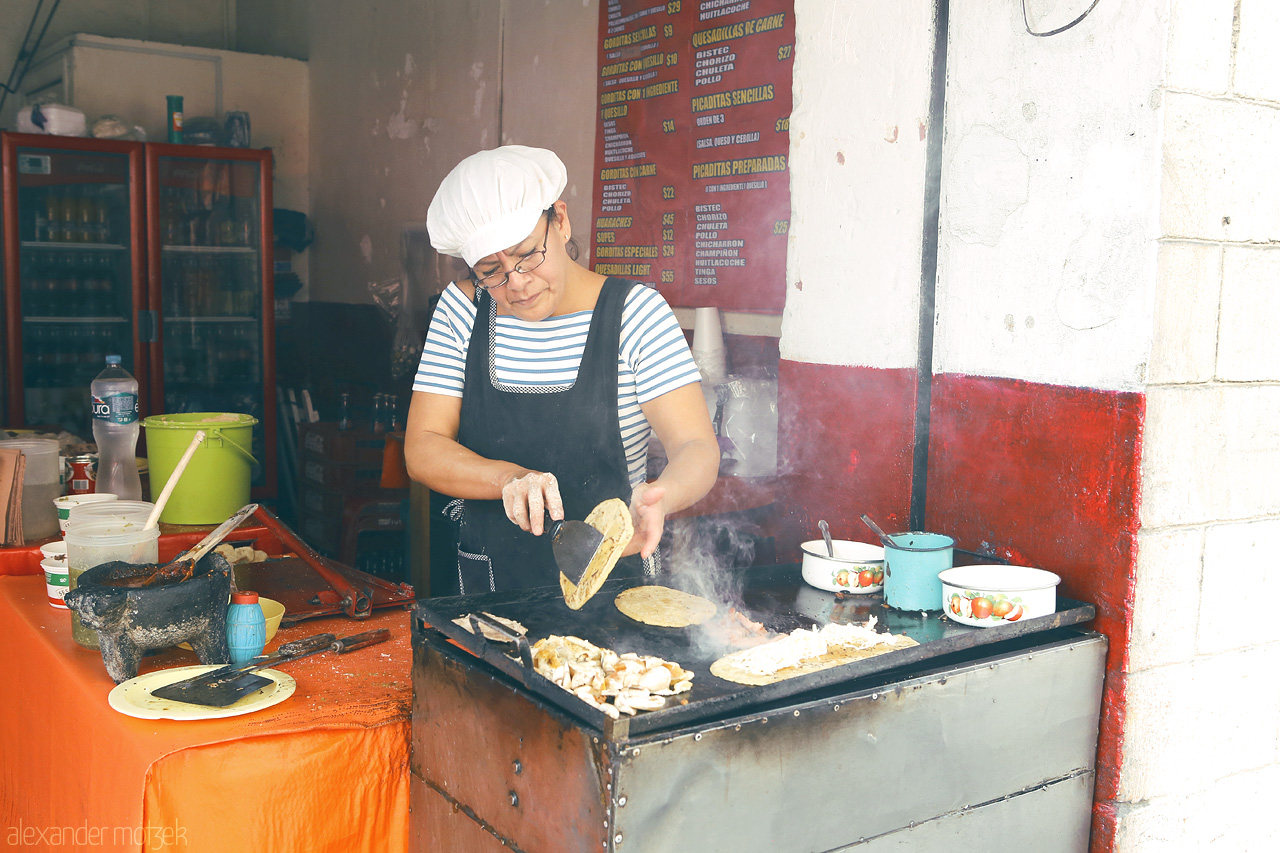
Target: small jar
x,y
246,627
81,476
174,104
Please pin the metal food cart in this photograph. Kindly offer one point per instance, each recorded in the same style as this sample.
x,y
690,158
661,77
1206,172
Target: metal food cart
x,y
973,735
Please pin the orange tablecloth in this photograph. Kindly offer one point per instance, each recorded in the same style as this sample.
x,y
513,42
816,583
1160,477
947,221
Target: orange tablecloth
x,y
325,770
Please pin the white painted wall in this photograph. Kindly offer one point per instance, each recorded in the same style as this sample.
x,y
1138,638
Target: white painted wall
x,y
861,102
1051,172
404,89
398,89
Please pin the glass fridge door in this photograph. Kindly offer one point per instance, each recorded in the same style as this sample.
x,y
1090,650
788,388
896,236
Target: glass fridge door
x,y
78,290
213,290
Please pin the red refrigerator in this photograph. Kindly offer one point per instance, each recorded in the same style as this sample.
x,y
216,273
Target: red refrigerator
x,y
159,253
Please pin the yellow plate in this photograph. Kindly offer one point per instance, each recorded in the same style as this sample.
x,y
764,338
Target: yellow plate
x,y
134,698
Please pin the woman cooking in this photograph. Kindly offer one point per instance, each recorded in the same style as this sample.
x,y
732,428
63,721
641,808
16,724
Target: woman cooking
x,y
541,381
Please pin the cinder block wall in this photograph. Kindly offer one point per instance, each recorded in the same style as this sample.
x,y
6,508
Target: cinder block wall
x,y
1201,761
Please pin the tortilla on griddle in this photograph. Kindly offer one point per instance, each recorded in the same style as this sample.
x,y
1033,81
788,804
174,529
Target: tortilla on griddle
x,y
664,606
730,669
613,519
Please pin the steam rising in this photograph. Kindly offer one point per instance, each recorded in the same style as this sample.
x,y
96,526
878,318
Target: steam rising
x,y
704,562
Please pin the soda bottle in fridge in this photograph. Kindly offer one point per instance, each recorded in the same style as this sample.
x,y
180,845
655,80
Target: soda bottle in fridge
x,y
115,429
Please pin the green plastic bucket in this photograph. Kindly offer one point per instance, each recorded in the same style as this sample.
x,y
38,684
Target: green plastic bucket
x,y
216,481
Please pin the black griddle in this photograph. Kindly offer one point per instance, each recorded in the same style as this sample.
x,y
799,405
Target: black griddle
x,y
773,595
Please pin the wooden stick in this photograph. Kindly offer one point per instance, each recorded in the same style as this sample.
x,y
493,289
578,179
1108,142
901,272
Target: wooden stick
x,y
154,518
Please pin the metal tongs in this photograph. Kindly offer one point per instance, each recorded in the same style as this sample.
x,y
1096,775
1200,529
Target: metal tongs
x,y
222,687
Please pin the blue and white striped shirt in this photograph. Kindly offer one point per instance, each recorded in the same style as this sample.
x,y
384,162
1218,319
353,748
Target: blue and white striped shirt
x,y
543,356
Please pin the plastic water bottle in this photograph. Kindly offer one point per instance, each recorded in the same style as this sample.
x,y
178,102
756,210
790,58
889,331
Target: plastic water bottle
x,y
115,429
246,627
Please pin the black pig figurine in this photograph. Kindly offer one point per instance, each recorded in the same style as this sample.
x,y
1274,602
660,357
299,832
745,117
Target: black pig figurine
x,y
132,618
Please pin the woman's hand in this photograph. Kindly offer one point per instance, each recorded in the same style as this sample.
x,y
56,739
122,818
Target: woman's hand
x,y
680,420
648,514
530,496
436,459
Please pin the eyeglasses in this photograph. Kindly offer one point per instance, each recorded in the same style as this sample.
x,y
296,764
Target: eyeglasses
x,y
527,263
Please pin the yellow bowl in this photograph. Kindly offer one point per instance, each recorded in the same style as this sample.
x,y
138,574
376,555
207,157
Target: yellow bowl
x,y
272,611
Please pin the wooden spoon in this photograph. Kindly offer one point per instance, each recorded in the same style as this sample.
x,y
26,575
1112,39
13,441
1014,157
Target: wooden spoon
x,y
154,518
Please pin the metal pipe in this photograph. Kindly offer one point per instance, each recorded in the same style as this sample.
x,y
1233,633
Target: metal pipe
x,y
929,269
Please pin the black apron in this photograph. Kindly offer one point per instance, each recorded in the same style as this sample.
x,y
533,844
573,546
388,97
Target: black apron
x,y
573,434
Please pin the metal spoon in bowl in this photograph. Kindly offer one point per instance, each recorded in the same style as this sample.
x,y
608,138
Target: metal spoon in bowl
x,y
884,537
826,537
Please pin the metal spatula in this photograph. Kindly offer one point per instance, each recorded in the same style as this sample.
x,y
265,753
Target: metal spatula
x,y
222,687
573,544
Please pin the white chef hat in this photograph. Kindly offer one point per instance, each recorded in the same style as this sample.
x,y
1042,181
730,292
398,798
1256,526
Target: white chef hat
x,y
492,200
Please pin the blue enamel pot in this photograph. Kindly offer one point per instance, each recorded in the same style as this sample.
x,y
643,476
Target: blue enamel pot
x,y
911,567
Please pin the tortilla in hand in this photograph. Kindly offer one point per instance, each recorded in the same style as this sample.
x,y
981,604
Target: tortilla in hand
x,y
613,519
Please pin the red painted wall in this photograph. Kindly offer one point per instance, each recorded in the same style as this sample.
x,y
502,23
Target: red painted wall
x,y
844,448
1049,476
1043,475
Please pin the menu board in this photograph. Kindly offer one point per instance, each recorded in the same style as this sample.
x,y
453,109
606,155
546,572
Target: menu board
x,y
692,188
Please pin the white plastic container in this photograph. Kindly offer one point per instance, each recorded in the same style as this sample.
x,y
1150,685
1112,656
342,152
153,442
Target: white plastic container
x,y
56,550
126,513
92,543
66,503
41,483
55,119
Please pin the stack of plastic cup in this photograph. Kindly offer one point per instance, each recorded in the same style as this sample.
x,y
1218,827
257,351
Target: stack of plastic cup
x,y
53,560
708,345
56,581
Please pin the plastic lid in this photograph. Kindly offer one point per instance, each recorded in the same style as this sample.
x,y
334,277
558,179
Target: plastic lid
x,y
108,532
244,598
113,359
123,510
33,446
42,460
